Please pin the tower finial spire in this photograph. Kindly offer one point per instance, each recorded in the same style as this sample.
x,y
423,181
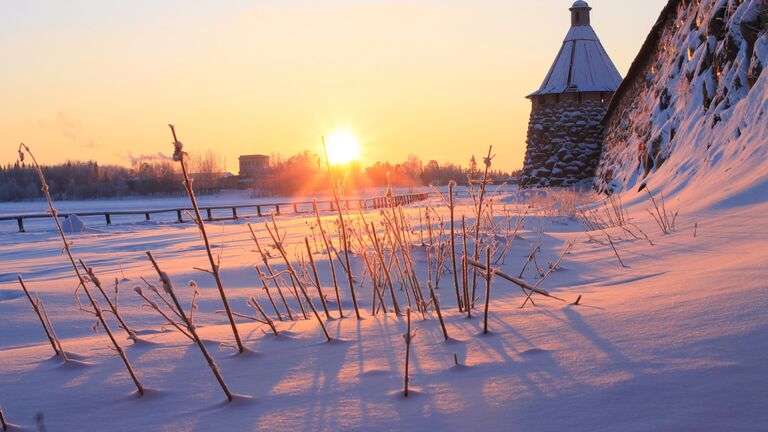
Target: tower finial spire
x,y
580,13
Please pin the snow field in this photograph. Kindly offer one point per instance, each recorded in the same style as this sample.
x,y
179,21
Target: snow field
x,y
676,341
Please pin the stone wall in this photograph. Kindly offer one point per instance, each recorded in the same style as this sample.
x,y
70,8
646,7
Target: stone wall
x,y
564,141
701,59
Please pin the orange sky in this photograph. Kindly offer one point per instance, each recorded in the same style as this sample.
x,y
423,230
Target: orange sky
x,y
442,79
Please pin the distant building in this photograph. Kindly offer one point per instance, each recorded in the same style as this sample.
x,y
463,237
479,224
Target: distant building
x,y
251,166
564,132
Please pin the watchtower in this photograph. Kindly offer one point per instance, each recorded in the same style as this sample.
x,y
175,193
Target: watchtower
x,y
564,131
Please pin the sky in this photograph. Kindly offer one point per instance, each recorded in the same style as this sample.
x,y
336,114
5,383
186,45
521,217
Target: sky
x,y
441,79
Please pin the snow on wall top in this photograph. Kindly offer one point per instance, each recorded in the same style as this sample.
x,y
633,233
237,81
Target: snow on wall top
x,y
582,65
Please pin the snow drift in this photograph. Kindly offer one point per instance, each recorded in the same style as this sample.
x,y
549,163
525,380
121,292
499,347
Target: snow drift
x,y
73,224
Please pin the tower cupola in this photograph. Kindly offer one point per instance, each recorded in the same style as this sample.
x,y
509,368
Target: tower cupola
x,y
580,14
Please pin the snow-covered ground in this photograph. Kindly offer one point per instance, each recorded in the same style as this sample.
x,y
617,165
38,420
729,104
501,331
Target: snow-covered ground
x,y
677,340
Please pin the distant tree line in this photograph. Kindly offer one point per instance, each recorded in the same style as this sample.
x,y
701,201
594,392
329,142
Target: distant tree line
x,y
301,174
75,180
306,173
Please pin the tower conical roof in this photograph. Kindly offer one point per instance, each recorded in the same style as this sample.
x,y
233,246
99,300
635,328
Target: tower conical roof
x,y
582,65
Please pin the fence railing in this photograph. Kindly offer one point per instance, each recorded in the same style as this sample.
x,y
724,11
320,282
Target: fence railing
x,y
262,209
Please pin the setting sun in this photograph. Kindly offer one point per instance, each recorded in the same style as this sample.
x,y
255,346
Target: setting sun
x,y
342,147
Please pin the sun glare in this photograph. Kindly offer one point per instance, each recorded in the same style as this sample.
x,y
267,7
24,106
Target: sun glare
x,y
342,147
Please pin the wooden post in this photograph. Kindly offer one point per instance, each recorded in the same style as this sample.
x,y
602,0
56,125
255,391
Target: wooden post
x,y
277,209
258,210
295,208
178,215
146,216
333,208
108,218
234,212
208,212
20,221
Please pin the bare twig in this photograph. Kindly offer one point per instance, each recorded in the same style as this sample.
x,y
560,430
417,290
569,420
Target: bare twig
x,y
551,269
465,268
317,278
265,261
112,306
343,228
46,323
81,279
616,252
517,281
664,219
451,208
488,275
168,287
255,304
180,156
380,255
478,221
150,303
3,422
330,258
408,337
279,246
436,302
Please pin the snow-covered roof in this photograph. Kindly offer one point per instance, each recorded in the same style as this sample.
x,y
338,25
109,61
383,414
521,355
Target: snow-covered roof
x,y
582,65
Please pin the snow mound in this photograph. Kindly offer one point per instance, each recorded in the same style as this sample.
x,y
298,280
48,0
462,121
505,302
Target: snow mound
x,y
73,224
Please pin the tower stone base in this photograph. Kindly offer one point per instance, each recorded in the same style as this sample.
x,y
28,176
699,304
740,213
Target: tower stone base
x,y
564,142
